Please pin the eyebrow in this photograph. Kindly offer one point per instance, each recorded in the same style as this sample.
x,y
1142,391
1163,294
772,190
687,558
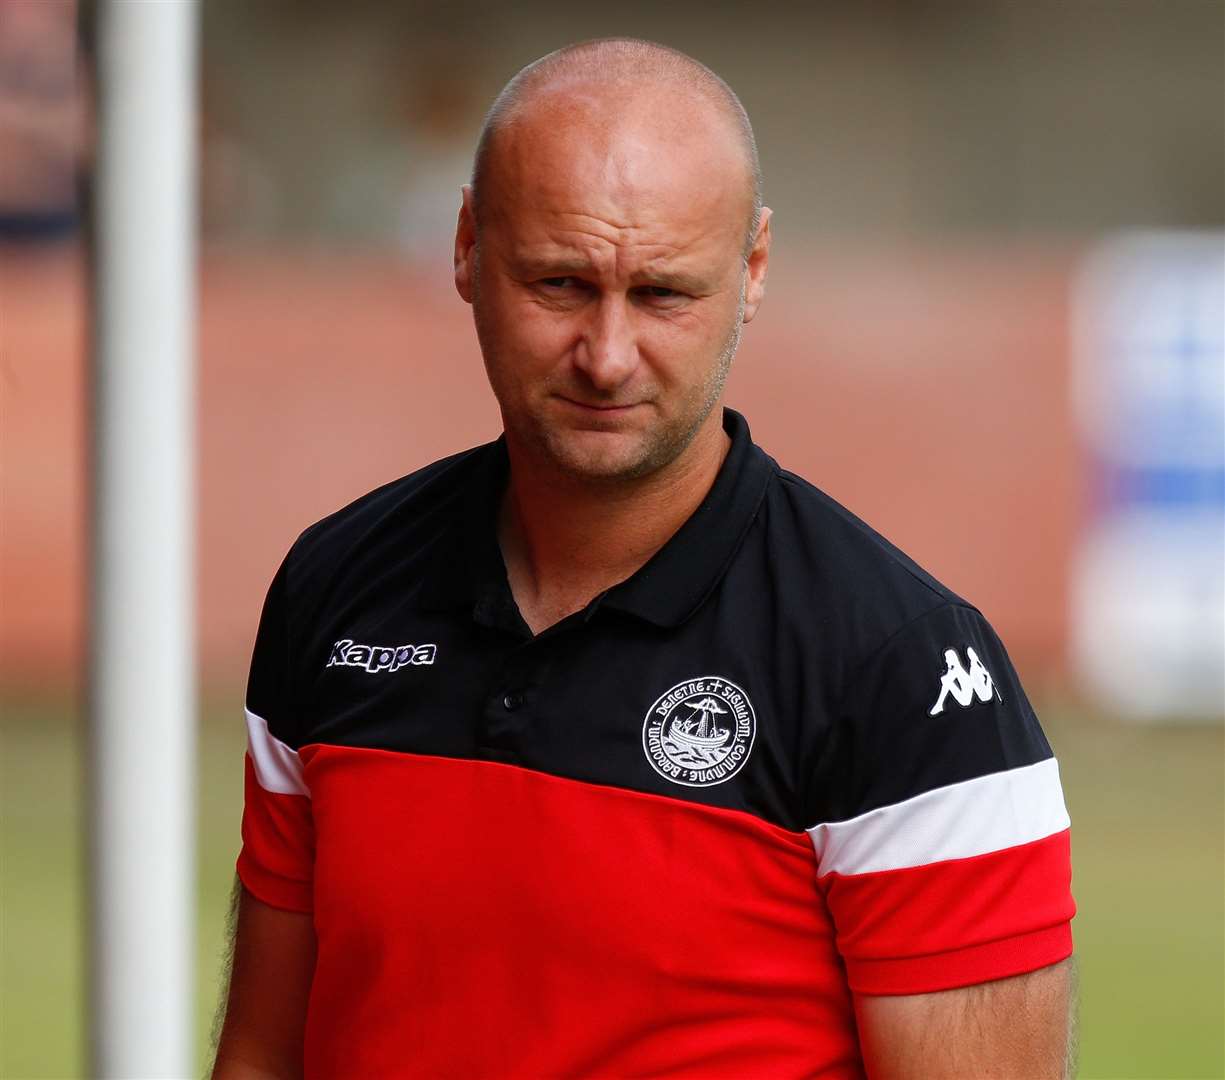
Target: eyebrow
x,y
548,266
673,279
536,266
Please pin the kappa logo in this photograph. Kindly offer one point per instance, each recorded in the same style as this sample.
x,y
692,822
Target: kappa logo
x,y
964,685
375,658
700,732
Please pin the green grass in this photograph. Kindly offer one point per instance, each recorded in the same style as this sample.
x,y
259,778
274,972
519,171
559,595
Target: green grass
x,y
1148,818
1148,834
42,886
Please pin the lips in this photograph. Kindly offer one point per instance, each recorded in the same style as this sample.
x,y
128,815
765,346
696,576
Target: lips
x,y
602,407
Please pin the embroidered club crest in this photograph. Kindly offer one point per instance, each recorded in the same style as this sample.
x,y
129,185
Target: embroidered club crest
x,y
700,732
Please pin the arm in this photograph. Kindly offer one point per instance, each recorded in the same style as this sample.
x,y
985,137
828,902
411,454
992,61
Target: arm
x,y
265,1012
945,860
1020,1028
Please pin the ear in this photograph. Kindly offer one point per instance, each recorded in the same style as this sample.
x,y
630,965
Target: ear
x,y
757,264
465,246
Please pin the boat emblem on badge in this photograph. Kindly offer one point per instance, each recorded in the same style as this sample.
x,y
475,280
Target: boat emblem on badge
x,y
700,732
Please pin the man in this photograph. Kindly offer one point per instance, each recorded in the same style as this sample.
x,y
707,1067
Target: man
x,y
610,748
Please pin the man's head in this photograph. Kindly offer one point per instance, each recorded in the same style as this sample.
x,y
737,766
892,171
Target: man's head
x,y
612,243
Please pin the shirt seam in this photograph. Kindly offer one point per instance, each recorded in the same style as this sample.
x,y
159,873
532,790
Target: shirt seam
x,y
799,837
942,954
863,665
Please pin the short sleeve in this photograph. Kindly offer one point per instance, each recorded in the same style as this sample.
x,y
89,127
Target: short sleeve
x,y
941,836
276,864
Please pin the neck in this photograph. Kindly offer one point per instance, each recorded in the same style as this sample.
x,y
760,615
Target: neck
x,y
565,540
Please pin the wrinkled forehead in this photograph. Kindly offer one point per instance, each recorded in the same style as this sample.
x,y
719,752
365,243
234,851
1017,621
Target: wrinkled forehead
x,y
659,158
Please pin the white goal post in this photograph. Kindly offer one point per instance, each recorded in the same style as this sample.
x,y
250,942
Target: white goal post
x,y
141,687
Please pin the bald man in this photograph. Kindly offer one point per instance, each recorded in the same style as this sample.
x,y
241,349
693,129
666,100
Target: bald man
x,y
611,748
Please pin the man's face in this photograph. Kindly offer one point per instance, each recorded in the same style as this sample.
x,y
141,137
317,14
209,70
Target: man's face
x,y
608,286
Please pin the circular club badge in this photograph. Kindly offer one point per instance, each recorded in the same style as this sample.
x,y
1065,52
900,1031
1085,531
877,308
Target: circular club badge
x,y
700,732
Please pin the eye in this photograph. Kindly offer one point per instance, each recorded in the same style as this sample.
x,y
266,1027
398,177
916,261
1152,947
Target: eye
x,y
557,282
660,295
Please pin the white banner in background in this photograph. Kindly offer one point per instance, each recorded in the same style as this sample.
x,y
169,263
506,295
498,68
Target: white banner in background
x,y
1148,587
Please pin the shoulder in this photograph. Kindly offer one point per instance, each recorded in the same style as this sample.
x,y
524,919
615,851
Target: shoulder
x,y
861,589
921,691
850,541
400,524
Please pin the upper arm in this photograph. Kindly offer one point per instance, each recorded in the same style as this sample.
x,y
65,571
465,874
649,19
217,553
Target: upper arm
x,y
1018,1028
942,839
265,1018
274,937
277,861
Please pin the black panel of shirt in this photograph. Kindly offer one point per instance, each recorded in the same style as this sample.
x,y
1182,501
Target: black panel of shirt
x,y
838,640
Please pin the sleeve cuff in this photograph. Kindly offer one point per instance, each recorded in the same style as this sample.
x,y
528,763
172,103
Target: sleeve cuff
x,y
275,891
962,967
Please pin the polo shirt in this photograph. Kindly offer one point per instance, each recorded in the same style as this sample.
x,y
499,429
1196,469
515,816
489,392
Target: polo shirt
x,y
670,835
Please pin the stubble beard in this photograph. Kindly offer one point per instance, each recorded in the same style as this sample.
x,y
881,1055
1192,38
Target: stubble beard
x,y
660,445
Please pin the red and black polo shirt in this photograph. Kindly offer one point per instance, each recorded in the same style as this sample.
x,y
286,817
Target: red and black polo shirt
x,y
670,835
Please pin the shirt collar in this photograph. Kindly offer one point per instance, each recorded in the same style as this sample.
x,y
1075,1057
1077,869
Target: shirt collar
x,y
665,591
672,585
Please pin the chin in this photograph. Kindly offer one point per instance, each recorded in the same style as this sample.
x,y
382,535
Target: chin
x,y
604,455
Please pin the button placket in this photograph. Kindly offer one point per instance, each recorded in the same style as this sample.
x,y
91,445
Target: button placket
x,y
513,699
508,705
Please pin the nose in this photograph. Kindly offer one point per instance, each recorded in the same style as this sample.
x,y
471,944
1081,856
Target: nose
x,y
607,351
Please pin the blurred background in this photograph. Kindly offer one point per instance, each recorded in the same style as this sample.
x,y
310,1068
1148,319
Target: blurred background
x,y
994,330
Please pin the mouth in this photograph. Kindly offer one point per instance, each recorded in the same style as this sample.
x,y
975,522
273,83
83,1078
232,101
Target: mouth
x,y
602,409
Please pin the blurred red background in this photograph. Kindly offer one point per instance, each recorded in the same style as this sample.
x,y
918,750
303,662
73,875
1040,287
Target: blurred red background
x,y
926,388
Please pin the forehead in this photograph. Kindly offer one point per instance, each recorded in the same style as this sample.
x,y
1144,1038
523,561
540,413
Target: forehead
x,y
645,169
